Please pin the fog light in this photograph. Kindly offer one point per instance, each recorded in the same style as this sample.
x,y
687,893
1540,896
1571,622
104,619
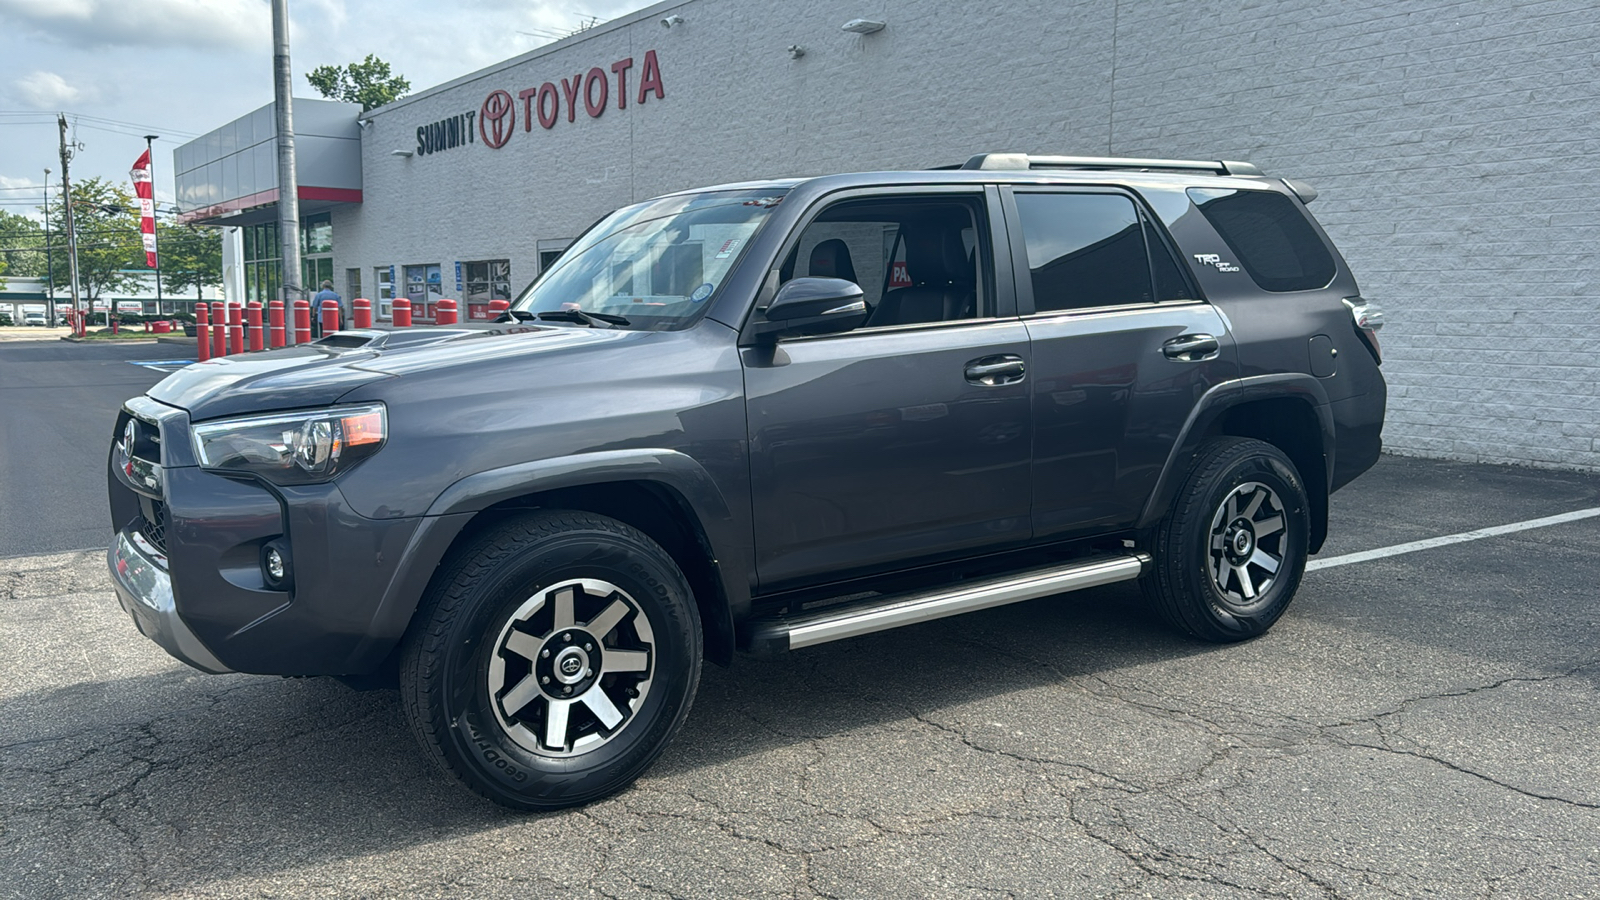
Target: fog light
x,y
277,565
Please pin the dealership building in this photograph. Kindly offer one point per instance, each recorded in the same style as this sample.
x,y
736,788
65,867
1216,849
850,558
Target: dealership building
x,y
1450,144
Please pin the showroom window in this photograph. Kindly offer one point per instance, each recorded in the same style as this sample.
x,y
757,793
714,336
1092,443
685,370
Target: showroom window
x,y
422,287
488,280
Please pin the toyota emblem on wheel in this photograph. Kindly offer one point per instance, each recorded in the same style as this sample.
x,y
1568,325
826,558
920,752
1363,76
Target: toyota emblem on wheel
x,y
497,119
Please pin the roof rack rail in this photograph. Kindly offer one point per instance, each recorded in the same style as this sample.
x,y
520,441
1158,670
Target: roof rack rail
x,y
1024,161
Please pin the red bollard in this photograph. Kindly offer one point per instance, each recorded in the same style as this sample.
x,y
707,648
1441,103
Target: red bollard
x,y
252,319
219,329
446,313
402,313
275,318
235,328
330,317
362,312
204,332
497,308
113,323
302,321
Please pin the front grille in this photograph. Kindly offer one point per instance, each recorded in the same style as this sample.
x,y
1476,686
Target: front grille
x,y
153,523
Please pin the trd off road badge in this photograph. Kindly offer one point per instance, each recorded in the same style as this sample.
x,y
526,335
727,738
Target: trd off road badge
x,y
1212,259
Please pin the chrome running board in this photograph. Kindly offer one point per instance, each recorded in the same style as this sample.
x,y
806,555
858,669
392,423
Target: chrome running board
x,y
880,614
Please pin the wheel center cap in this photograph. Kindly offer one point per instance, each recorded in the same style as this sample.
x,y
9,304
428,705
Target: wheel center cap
x,y
1240,541
571,665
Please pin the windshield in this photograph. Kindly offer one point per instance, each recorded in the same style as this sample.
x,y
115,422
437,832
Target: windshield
x,y
654,265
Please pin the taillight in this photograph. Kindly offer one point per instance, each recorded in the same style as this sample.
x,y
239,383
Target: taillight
x,y
1368,318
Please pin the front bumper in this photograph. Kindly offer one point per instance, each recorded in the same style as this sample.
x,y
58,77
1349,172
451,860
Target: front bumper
x,y
186,561
145,591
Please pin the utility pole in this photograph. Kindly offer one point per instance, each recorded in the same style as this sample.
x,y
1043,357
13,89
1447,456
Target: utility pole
x,y
155,220
288,186
66,200
49,259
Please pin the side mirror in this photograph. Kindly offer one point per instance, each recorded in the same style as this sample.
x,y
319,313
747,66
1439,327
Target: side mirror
x,y
807,306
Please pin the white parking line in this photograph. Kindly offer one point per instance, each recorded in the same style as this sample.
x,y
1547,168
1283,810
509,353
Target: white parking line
x,y
1448,539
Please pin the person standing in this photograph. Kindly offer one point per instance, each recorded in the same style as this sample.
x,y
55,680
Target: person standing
x,y
328,293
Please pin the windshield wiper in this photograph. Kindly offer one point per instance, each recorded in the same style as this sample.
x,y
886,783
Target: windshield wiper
x,y
593,320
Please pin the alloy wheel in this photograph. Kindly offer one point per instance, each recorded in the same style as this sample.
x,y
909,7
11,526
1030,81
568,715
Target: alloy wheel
x,y
1246,543
571,667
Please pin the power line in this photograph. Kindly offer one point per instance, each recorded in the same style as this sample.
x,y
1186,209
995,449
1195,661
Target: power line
x,y
102,121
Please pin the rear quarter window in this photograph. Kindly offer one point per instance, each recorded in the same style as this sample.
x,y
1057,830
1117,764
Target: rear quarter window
x,y
1270,236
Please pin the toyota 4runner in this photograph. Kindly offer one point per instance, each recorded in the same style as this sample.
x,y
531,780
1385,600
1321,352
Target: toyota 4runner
x,y
763,416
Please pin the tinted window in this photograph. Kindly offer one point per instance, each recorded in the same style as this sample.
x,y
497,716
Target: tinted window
x,y
1170,283
1270,236
1084,250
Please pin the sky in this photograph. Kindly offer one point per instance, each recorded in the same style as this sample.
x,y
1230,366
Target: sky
x,y
121,69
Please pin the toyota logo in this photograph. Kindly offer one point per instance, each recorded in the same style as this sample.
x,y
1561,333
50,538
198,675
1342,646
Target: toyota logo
x,y
497,119
571,666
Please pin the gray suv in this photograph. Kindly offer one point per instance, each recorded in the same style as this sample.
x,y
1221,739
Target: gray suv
x,y
759,417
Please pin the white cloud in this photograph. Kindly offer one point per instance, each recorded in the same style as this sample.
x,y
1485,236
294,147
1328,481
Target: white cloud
x,y
147,23
47,90
318,16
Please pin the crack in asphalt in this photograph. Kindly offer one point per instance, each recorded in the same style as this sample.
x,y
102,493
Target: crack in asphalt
x,y
1380,722
1235,743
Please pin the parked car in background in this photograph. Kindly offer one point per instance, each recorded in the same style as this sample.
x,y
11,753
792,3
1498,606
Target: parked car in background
x,y
33,318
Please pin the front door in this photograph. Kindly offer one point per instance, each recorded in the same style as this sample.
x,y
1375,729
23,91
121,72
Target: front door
x,y
907,439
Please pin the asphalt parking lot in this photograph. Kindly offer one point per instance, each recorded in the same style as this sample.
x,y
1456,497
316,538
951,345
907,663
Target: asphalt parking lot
x,y
58,404
1421,724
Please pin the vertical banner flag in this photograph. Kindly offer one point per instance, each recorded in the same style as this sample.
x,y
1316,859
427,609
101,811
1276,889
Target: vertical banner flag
x,y
147,206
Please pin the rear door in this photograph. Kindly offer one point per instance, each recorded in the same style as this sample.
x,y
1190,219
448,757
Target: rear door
x,y
900,441
1122,349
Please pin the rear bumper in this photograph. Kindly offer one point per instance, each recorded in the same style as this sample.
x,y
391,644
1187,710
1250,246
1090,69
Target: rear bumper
x,y
145,591
1359,421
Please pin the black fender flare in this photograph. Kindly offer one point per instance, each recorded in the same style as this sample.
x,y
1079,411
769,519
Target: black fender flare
x,y
457,504
1216,402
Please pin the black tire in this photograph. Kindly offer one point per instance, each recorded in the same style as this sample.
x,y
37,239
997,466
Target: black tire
x,y
1212,575
506,592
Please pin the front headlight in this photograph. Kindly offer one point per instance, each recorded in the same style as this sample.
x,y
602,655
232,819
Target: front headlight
x,y
293,448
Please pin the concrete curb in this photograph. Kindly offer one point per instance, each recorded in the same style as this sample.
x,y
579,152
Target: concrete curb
x,y
78,340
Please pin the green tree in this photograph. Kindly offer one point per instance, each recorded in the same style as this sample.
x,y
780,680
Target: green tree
x,y
368,83
22,242
191,258
106,219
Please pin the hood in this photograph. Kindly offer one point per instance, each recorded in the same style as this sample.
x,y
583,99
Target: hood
x,y
319,373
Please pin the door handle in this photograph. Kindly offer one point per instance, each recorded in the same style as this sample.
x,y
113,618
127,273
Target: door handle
x,y
1191,348
996,370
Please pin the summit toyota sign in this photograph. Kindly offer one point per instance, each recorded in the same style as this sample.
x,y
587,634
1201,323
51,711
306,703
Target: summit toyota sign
x,y
592,92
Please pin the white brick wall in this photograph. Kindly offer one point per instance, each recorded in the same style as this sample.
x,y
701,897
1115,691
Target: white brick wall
x,y
1452,143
